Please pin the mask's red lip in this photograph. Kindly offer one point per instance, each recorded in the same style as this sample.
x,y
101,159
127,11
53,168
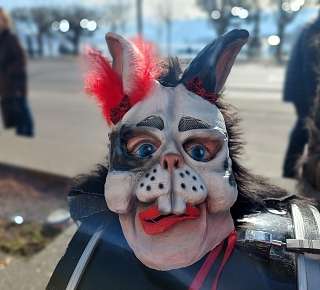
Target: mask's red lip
x,y
154,223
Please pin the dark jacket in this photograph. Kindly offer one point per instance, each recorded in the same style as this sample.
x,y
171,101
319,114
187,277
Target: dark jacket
x,y
301,77
13,77
113,265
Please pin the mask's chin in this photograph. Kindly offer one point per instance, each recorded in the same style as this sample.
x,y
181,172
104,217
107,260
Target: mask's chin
x,y
180,245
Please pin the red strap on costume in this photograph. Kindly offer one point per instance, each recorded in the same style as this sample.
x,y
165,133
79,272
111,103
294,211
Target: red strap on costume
x,y
213,255
232,240
205,268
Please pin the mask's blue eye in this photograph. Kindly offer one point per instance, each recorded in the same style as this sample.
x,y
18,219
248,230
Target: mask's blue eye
x,y
202,149
145,150
198,152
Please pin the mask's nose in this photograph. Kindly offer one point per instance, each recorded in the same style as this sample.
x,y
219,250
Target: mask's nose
x,y
171,161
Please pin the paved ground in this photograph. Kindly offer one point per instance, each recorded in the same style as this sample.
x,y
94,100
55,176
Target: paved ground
x,y
70,139
70,132
34,273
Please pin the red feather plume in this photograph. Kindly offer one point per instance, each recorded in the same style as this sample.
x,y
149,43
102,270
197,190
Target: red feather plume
x,y
147,70
105,84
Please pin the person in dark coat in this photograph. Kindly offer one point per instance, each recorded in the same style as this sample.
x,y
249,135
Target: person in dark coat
x,y
13,82
309,165
300,89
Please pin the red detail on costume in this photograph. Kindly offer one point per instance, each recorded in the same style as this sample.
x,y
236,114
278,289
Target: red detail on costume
x,y
211,258
232,240
154,223
147,69
103,83
205,268
106,85
196,86
117,113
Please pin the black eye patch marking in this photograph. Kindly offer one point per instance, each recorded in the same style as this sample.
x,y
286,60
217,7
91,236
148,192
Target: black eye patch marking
x,y
189,123
226,164
153,122
232,180
120,160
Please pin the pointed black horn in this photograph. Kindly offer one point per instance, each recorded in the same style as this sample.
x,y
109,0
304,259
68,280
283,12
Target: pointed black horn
x,y
207,73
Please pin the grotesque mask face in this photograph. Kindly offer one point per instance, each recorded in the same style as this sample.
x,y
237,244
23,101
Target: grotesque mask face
x,y
170,175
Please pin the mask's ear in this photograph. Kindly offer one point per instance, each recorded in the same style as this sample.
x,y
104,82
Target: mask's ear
x,y
207,73
125,59
129,80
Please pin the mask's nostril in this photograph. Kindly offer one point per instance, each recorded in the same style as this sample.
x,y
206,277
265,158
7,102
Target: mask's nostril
x,y
171,161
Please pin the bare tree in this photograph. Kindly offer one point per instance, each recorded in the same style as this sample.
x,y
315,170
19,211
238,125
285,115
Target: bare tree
x,y
22,16
139,7
41,17
116,15
254,44
74,15
284,14
220,12
165,13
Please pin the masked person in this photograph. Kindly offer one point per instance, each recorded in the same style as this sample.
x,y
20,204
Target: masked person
x,y
13,82
173,208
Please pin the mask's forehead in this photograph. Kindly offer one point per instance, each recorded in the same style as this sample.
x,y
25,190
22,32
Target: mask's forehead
x,y
157,103
173,105
188,104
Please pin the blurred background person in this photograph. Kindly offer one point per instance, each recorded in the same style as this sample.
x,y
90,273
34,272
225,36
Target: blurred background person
x,y
13,81
300,89
309,165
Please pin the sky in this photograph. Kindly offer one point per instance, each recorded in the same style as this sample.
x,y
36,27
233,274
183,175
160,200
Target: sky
x,y
181,9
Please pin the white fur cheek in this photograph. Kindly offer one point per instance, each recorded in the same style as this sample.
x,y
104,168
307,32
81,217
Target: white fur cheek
x,y
221,195
118,191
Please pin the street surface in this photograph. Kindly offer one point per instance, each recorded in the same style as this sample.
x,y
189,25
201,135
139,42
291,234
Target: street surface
x,y
70,132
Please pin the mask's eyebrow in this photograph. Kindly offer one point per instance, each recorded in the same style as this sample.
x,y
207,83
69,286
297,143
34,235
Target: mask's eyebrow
x,y
189,123
153,122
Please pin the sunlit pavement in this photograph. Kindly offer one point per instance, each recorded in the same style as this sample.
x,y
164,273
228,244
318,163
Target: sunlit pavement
x,y
70,132
70,139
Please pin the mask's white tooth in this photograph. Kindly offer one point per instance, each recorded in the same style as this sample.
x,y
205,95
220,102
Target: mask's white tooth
x,y
179,206
164,204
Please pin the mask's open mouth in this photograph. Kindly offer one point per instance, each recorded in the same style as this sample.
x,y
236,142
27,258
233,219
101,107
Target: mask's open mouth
x,y
153,222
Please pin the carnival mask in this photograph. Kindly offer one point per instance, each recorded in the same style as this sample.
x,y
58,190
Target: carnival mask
x,y
170,175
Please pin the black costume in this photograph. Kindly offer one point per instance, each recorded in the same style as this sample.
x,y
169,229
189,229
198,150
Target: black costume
x,y
260,260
